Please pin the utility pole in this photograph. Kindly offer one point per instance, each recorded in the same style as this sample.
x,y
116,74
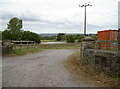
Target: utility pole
x,y
85,5
65,37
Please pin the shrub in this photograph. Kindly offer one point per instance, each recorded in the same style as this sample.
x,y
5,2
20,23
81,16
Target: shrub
x,y
80,37
70,39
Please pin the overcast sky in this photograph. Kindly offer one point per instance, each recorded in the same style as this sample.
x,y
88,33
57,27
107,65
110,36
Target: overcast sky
x,y
54,16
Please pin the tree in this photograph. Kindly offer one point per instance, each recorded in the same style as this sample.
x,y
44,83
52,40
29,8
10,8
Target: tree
x,y
6,35
15,26
70,39
60,36
94,36
80,38
14,32
27,35
0,35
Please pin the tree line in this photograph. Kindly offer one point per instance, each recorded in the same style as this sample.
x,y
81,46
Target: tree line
x,y
69,38
14,31
72,38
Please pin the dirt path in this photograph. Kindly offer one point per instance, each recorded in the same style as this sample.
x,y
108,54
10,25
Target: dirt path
x,y
44,69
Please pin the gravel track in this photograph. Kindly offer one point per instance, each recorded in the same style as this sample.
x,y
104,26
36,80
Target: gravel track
x,y
42,69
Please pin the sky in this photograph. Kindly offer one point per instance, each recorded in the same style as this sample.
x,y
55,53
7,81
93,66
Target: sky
x,y
60,16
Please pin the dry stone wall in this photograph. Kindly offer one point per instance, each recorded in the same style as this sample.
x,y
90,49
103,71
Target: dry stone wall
x,y
6,47
105,61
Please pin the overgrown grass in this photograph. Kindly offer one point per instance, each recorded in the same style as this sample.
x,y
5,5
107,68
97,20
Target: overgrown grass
x,y
88,73
24,50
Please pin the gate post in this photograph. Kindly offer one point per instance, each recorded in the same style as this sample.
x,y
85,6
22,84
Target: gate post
x,y
86,43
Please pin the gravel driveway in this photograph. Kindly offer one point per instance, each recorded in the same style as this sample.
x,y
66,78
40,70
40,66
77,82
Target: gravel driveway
x,y
44,69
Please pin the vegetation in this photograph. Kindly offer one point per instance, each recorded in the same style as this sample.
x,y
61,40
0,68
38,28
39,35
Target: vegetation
x,y
63,37
60,36
80,38
70,39
94,36
25,49
48,38
60,46
14,32
86,72
27,35
0,35
48,41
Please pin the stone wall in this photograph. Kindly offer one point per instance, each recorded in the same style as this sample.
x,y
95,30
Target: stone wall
x,y
105,61
6,47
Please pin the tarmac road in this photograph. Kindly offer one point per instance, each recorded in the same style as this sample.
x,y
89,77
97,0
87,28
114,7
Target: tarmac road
x,y
43,69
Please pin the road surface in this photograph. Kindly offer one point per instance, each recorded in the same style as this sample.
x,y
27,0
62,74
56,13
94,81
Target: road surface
x,y
43,69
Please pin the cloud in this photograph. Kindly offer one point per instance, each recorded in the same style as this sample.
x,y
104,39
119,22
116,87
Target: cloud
x,y
59,16
29,17
7,15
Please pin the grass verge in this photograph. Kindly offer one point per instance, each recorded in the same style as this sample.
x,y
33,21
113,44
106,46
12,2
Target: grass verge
x,y
48,41
25,49
60,46
85,72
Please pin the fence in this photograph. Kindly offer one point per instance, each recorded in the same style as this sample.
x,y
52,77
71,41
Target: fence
x,y
107,45
23,44
7,46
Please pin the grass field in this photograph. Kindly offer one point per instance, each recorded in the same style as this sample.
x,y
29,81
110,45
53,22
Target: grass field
x,y
76,41
40,47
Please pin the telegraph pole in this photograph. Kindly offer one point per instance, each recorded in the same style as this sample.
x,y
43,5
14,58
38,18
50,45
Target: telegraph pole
x,y
65,37
85,5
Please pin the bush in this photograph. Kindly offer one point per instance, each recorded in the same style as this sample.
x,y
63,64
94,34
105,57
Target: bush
x,y
60,36
94,36
80,38
70,39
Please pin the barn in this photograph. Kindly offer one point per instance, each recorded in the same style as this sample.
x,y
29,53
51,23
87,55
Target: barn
x,y
108,39
108,35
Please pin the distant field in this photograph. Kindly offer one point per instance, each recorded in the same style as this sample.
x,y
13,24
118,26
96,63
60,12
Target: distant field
x,y
60,46
52,41
40,47
48,40
76,41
